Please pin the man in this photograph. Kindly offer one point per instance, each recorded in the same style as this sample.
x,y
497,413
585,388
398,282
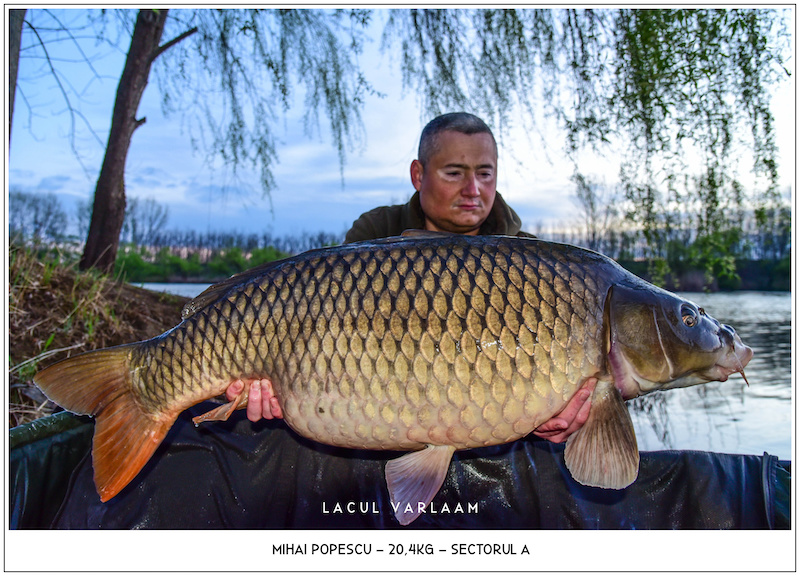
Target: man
x,y
455,178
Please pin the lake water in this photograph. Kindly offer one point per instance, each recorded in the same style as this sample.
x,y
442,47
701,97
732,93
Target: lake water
x,y
728,417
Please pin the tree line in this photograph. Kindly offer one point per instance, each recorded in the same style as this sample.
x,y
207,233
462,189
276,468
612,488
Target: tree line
x,y
684,236
40,218
150,251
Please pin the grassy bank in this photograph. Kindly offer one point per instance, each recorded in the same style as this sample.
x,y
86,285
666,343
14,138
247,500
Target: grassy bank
x,y
55,311
756,275
136,264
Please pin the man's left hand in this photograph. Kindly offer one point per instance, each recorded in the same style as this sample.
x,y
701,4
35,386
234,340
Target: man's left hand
x,y
572,417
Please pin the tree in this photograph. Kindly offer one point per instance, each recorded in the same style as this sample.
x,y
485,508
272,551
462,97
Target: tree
x,y
83,216
144,219
16,18
251,59
108,212
597,211
35,217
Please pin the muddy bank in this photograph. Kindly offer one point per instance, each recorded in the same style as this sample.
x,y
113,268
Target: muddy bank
x,y
56,311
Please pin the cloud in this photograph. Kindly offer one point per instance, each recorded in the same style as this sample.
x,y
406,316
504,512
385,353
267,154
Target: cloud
x,y
17,174
215,193
60,184
55,183
151,177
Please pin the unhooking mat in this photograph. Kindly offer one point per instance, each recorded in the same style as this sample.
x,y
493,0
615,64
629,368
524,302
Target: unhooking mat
x,y
238,474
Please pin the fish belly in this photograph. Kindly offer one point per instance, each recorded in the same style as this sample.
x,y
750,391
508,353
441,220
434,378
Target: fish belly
x,y
408,415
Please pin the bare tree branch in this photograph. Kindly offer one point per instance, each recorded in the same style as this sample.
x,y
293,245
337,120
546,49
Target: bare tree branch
x,y
163,48
75,42
73,112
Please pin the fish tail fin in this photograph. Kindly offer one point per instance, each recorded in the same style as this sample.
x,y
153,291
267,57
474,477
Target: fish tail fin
x,y
126,435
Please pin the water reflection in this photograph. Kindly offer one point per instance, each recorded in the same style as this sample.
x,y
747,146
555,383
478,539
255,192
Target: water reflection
x,y
730,416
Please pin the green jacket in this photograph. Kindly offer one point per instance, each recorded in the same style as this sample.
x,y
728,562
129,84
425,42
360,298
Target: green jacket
x,y
386,221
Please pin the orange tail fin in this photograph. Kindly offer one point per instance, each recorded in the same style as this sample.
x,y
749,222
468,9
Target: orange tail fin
x,y
125,436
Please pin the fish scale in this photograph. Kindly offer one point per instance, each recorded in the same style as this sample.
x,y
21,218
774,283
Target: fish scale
x,y
439,342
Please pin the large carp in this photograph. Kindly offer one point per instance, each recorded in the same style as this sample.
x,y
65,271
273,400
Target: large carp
x,y
427,344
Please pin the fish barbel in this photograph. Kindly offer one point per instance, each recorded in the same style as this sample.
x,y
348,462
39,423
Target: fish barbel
x,y
428,344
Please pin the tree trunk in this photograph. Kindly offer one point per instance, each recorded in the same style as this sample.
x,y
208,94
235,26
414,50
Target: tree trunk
x,y
108,212
16,19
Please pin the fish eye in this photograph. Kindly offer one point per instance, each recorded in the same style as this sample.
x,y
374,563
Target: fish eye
x,y
689,316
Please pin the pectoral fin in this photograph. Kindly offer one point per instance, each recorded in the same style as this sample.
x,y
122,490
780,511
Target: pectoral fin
x,y
220,413
223,412
603,452
414,479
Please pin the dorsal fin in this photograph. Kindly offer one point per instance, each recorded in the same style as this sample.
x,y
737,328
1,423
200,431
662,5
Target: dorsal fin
x,y
215,291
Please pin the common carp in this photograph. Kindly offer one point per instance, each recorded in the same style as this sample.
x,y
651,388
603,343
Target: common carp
x,y
428,344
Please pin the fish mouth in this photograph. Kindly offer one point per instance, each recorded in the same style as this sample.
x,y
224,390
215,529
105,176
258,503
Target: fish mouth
x,y
732,356
734,361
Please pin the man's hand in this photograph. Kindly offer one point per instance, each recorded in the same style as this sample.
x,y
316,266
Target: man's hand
x,y
261,400
572,417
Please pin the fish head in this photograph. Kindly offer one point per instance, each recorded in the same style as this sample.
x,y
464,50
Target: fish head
x,y
657,341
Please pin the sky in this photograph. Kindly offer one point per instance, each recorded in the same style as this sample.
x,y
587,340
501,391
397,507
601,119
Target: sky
x,y
312,193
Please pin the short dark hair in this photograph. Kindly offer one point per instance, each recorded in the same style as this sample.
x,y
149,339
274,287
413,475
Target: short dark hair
x,y
462,122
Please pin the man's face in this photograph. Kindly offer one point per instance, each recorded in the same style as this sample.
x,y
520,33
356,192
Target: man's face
x,y
458,185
